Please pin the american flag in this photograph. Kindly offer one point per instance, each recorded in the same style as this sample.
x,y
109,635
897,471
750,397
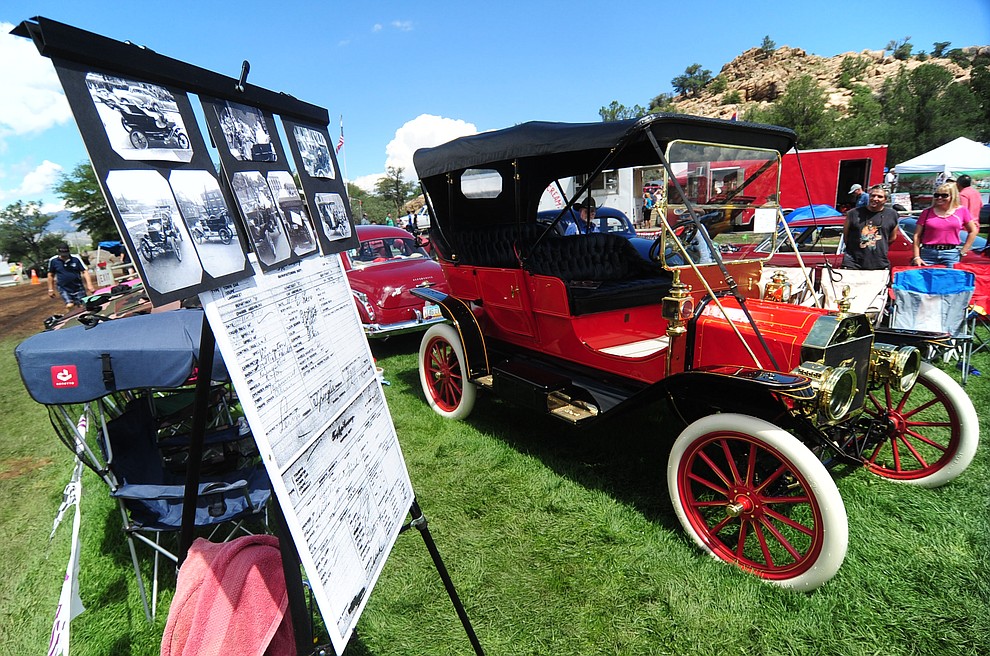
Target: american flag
x,y
340,142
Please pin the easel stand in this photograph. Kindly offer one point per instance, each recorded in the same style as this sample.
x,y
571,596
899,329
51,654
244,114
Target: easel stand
x,y
301,619
419,522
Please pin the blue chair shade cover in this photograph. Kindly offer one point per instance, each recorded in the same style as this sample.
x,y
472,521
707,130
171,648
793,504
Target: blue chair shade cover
x,y
936,299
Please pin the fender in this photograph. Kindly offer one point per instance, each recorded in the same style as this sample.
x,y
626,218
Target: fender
x,y
756,392
466,324
908,337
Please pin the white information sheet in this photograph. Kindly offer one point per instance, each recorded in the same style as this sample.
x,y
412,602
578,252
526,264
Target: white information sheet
x,y
293,344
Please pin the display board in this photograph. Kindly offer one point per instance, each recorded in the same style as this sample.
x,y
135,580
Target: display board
x,y
303,371
290,334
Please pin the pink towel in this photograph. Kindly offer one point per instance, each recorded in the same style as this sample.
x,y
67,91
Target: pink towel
x,y
230,599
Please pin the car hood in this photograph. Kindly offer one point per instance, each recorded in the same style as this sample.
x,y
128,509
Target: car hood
x,y
387,285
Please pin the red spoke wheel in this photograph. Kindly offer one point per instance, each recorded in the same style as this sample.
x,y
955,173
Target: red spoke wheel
x,y
753,495
931,432
443,373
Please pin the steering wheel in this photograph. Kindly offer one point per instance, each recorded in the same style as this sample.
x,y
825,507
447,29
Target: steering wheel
x,y
686,230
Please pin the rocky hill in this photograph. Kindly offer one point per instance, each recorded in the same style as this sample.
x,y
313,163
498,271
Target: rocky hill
x,y
757,77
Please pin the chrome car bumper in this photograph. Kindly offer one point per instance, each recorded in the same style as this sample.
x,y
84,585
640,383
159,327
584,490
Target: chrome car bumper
x,y
374,330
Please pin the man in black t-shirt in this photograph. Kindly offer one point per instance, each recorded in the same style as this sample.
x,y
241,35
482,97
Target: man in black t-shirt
x,y
867,233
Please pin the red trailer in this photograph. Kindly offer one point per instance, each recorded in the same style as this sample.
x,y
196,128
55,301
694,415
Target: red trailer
x,y
829,174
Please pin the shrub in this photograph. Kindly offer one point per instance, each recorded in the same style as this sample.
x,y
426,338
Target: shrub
x,y
732,98
851,68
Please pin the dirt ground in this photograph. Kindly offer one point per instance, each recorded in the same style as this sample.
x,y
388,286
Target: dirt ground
x,y
24,308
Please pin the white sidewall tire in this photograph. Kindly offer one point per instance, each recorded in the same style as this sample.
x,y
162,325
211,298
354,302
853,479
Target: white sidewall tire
x,y
469,390
969,425
835,525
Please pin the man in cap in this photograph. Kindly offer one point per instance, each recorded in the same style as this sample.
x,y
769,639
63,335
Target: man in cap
x,y
860,196
587,211
70,276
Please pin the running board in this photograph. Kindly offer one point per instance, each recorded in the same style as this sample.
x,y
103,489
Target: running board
x,y
562,406
544,391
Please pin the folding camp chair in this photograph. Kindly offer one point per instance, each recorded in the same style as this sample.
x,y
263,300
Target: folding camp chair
x,y
135,439
148,481
979,328
936,299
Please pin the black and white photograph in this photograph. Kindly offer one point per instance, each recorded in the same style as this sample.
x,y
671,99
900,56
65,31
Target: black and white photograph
x,y
333,214
246,132
211,224
314,152
155,229
299,227
141,120
265,228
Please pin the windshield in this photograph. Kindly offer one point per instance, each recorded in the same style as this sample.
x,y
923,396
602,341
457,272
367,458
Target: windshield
x,y
378,251
731,189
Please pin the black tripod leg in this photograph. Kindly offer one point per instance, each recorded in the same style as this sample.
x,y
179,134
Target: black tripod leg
x,y
419,521
301,624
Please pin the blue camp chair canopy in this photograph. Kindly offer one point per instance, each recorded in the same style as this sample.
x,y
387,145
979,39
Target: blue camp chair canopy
x,y
79,364
937,281
809,211
114,247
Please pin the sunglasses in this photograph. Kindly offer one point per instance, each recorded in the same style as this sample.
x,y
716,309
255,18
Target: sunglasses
x,y
940,195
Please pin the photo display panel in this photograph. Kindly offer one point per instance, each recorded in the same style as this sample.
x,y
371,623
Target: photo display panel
x,y
158,178
326,192
252,158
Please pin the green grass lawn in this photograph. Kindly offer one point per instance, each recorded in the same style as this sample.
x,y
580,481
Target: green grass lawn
x,y
559,542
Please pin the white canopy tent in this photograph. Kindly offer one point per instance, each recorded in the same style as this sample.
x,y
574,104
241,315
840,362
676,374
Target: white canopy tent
x,y
961,155
917,178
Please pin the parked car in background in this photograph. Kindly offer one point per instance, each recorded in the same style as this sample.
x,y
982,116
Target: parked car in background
x,y
386,264
607,219
820,239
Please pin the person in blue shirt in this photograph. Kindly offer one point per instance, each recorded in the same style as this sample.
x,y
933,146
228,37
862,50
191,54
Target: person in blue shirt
x,y
68,273
587,216
862,198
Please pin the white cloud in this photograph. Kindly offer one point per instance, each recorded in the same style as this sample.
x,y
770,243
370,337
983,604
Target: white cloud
x,y
40,179
32,100
424,131
403,26
37,182
377,27
367,182
52,208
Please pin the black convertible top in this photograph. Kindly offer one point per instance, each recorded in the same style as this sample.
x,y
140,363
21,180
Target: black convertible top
x,y
522,161
589,143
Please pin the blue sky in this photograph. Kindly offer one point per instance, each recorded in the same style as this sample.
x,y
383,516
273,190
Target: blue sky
x,y
412,74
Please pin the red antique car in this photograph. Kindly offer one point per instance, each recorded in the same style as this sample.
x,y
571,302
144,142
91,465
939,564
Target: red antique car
x,y
773,397
382,270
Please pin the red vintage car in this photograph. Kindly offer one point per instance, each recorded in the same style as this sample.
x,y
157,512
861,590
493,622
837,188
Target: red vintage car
x,y
773,397
382,270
